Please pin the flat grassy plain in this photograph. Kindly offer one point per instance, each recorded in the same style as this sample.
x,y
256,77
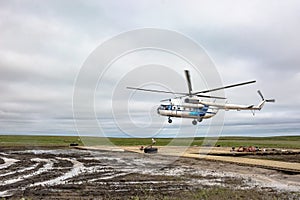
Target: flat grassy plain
x,y
266,142
140,183
24,140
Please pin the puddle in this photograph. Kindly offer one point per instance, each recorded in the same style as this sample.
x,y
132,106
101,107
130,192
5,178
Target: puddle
x,y
76,170
45,168
20,170
49,151
267,182
6,193
7,162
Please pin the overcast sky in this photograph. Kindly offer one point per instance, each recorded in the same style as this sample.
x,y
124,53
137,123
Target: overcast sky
x,y
43,45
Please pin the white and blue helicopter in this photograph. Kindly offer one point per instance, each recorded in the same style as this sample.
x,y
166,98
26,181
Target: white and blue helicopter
x,y
194,107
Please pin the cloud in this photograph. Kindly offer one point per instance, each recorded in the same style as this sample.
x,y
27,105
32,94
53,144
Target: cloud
x,y
44,44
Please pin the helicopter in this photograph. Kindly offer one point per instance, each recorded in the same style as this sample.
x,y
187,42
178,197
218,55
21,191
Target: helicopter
x,y
194,107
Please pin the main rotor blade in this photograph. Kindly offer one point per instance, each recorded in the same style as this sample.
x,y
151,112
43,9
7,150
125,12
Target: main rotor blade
x,y
212,97
188,80
225,87
199,95
158,91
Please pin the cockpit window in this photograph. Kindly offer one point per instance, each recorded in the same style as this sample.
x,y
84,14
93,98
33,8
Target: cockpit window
x,y
163,107
167,107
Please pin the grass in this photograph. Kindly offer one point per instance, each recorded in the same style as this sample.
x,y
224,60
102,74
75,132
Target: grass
x,y
266,142
212,193
22,140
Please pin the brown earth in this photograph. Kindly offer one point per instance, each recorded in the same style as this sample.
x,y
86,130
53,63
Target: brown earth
x,y
62,173
286,158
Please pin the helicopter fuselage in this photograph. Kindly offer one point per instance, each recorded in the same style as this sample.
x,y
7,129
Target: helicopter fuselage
x,y
187,110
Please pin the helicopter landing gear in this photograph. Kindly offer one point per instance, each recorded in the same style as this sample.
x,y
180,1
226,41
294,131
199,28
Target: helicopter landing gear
x,y
200,119
194,122
169,120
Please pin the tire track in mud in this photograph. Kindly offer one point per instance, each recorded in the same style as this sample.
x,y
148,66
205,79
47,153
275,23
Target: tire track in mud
x,y
7,162
25,173
29,170
68,173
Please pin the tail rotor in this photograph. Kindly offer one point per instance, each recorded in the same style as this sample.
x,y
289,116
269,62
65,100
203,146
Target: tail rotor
x,y
263,99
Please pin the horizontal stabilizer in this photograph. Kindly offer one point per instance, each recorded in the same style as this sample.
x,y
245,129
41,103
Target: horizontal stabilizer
x,y
270,100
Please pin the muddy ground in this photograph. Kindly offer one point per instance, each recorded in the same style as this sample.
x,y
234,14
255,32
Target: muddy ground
x,y
286,158
64,173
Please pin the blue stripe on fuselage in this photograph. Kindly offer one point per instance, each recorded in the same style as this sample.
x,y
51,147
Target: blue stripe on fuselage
x,y
200,113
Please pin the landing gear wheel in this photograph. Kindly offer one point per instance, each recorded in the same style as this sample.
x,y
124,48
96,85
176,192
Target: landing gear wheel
x,y
200,119
194,122
170,120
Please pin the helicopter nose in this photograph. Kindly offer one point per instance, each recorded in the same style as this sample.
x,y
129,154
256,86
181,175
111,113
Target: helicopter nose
x,y
158,110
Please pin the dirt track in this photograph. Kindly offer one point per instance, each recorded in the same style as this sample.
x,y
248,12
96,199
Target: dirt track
x,y
71,174
285,162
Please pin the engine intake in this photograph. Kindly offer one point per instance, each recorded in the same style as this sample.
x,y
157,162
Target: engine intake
x,y
194,101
